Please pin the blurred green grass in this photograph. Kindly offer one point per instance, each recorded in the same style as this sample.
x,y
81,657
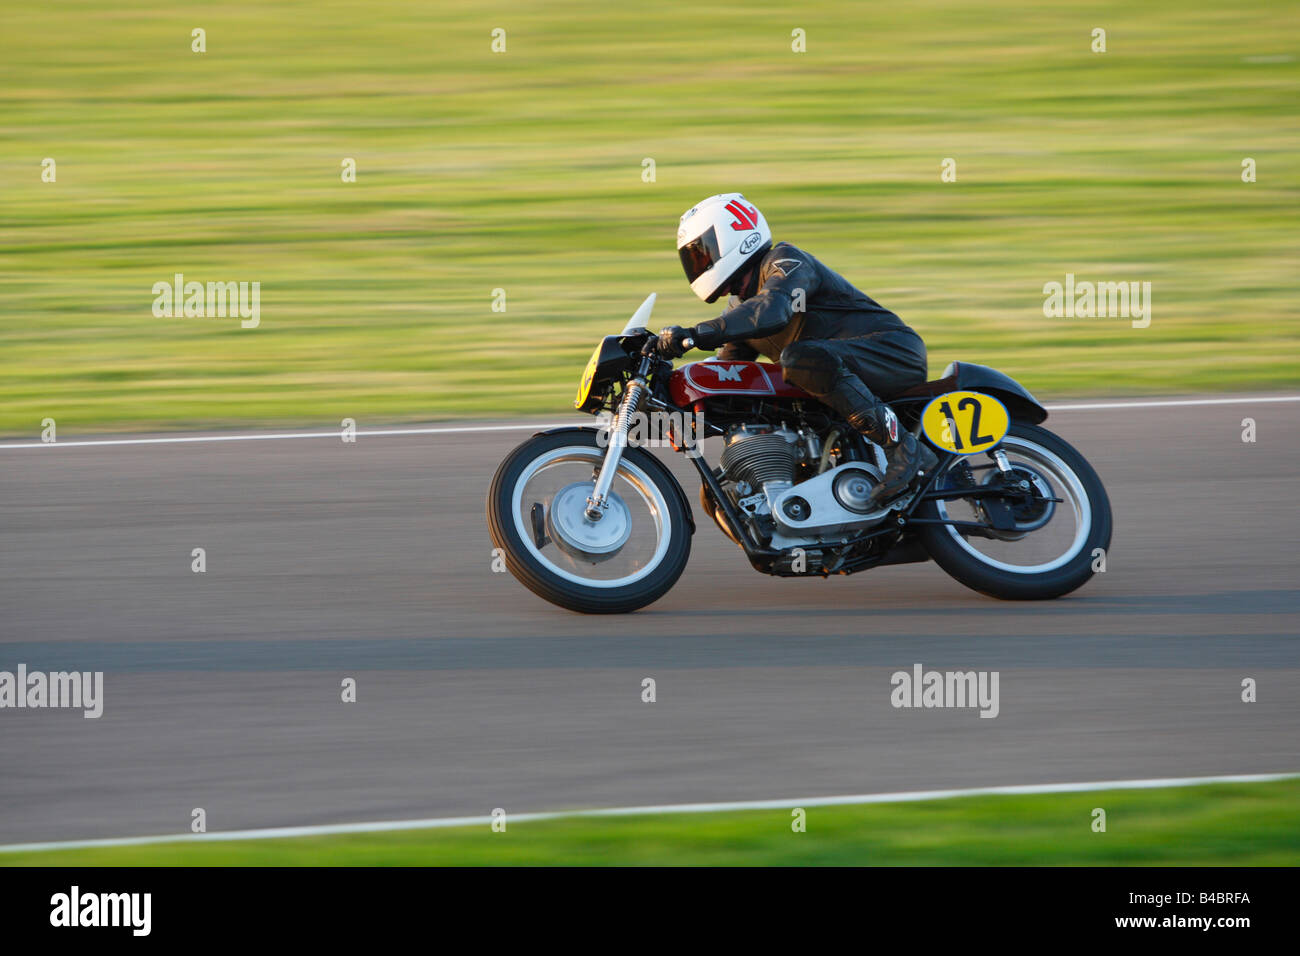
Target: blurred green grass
x,y
522,171
1255,824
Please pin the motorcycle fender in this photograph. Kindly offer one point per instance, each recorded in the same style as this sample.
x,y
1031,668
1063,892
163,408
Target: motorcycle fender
x,y
980,378
676,485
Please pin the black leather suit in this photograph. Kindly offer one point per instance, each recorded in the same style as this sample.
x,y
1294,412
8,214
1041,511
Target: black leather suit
x,y
831,339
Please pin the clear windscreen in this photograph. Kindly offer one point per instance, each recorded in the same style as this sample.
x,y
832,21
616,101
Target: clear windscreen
x,y
641,317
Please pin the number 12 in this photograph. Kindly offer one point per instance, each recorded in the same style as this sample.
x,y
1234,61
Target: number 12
x,y
975,437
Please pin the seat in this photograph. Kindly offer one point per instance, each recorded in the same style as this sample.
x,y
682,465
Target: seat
x,y
929,389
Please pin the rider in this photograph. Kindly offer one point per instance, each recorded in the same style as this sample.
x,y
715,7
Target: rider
x,y
832,340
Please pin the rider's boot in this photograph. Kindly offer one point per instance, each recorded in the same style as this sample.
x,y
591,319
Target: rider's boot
x,y
904,455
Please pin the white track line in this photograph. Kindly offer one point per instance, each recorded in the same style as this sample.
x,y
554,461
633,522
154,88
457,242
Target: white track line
x,y
1170,403
328,829
271,436
472,429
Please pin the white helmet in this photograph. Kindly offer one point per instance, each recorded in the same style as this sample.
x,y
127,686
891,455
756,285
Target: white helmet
x,y
716,238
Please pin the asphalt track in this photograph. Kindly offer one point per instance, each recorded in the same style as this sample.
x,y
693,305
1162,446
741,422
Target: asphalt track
x,y
371,560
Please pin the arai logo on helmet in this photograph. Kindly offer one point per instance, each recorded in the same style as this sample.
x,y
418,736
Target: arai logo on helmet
x,y
751,241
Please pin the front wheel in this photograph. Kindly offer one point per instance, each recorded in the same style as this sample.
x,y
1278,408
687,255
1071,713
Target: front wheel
x,y
1046,548
624,561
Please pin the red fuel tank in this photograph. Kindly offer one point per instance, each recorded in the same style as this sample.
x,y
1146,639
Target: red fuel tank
x,y
698,381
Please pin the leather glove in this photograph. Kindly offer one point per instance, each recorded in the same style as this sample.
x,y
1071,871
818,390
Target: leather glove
x,y
672,341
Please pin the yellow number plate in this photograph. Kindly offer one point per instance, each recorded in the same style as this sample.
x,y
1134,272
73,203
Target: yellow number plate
x,y
584,386
965,422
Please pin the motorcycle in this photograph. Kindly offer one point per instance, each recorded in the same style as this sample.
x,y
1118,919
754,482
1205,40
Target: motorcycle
x,y
590,520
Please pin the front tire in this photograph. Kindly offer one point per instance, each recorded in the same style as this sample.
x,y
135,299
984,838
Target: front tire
x,y
1006,566
635,573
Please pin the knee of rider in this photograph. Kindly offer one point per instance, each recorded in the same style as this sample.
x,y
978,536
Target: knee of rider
x,y
805,356
808,365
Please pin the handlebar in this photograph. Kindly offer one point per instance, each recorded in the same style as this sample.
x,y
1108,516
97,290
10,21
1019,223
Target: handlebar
x,y
651,346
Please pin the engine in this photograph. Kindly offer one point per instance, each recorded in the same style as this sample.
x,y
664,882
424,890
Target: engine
x,y
755,456
789,492
760,464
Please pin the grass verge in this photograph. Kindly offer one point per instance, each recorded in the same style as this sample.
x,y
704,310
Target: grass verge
x,y
522,171
1247,824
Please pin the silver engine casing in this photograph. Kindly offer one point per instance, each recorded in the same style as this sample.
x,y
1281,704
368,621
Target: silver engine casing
x,y
827,505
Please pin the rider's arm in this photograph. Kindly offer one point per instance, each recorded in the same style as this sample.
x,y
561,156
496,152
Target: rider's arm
x,y
768,311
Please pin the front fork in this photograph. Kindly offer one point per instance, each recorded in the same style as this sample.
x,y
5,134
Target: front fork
x,y
597,501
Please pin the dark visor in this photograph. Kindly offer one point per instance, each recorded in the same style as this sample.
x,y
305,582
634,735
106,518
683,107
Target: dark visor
x,y
699,254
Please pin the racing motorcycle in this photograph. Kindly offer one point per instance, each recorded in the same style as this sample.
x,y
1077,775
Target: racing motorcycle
x,y
590,520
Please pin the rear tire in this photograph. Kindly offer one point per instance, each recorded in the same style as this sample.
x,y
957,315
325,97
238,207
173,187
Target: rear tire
x,y
543,580
957,559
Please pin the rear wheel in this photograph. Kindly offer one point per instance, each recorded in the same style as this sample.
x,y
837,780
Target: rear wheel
x,y
1050,548
631,557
